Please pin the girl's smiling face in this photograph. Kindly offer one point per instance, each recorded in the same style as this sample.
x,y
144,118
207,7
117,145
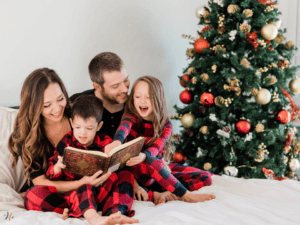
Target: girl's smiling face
x,y
142,101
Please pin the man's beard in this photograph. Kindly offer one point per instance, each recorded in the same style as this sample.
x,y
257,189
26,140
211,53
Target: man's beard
x,y
111,99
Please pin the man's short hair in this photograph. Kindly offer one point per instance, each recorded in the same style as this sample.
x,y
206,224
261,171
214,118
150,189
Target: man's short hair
x,y
86,106
104,62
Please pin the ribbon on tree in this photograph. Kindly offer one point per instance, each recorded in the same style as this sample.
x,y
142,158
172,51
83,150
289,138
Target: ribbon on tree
x,y
295,110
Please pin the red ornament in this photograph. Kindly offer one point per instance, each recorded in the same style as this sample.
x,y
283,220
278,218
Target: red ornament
x,y
243,126
179,158
200,44
186,96
207,98
184,80
283,116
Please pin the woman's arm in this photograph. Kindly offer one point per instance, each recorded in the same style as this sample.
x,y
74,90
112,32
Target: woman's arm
x,y
160,142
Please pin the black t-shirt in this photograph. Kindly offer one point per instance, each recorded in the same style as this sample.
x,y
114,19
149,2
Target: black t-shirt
x,y
111,121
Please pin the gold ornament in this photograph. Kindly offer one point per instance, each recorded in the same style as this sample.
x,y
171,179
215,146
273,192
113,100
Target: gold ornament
x,y
245,28
269,8
218,49
245,63
254,91
204,130
191,70
204,77
194,80
285,159
200,11
248,13
263,96
262,43
218,100
231,9
275,97
265,69
259,128
207,166
294,85
188,37
187,120
279,39
296,150
272,79
214,68
269,32
289,45
261,153
190,52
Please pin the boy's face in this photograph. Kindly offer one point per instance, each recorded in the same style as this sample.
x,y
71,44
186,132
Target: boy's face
x,y
85,130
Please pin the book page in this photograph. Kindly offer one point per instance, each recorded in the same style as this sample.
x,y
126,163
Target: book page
x,y
88,151
124,145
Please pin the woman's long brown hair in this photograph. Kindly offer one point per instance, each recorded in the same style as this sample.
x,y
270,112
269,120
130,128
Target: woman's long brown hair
x,y
29,139
159,105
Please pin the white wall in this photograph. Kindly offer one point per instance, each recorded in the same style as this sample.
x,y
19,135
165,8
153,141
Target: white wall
x,y
66,34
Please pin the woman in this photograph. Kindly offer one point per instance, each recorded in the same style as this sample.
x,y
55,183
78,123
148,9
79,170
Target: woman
x,y
42,121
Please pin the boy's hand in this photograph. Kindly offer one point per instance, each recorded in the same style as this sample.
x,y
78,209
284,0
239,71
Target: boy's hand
x,y
139,192
111,146
95,180
59,165
136,160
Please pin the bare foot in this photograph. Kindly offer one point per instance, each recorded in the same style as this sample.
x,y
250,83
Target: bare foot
x,y
112,219
65,214
125,219
193,197
163,197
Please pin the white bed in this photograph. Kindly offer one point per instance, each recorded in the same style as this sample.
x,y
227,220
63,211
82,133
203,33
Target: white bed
x,y
238,201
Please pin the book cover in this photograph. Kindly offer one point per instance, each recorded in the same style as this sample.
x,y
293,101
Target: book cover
x,y
87,162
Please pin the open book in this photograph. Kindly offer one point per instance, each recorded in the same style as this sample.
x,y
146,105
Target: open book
x,y
87,162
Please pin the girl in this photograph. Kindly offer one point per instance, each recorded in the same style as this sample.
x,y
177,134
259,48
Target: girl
x,y
42,121
145,115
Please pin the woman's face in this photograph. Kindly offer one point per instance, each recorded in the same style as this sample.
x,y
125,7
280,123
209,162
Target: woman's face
x,y
54,103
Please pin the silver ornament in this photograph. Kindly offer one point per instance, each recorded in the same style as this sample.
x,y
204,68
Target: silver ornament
x,y
231,171
200,11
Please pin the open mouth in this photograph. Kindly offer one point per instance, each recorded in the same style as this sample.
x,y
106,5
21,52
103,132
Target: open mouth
x,y
143,109
83,139
57,115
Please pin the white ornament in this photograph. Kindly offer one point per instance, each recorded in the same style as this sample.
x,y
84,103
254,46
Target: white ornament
x,y
213,117
200,11
232,34
231,171
294,164
248,137
219,2
223,133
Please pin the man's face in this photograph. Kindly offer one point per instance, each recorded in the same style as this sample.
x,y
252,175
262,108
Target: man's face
x,y
115,87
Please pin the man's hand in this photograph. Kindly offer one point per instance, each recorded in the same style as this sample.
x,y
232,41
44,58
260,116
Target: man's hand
x,y
111,146
59,165
136,160
95,180
139,192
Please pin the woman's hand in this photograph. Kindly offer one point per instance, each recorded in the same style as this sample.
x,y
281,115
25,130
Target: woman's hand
x,y
59,165
136,160
139,192
95,180
111,146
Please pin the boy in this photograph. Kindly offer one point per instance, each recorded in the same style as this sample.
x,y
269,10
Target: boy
x,y
86,116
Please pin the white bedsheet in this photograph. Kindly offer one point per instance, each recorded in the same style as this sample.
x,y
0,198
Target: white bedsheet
x,y
238,201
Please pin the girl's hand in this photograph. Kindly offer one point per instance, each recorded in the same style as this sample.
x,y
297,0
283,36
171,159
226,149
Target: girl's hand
x,y
95,180
139,192
59,165
111,146
136,160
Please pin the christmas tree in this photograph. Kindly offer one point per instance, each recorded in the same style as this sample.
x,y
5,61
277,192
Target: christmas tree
x,y
239,118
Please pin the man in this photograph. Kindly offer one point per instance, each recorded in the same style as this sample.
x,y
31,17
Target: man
x,y
110,81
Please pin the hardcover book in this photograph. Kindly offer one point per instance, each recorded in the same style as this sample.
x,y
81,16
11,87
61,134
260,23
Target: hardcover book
x,y
87,162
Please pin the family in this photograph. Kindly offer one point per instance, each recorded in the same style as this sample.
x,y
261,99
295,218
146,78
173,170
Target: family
x,y
101,118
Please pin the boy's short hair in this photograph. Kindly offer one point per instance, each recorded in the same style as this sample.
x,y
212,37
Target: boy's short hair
x,y
87,106
104,62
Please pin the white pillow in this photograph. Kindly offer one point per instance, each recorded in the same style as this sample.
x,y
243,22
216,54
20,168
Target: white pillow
x,y
13,177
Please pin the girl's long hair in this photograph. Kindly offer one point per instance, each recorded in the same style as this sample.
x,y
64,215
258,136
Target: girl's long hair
x,y
159,105
28,138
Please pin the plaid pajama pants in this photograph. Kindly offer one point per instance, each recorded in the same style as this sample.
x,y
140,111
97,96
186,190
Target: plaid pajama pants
x,y
116,194
152,175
